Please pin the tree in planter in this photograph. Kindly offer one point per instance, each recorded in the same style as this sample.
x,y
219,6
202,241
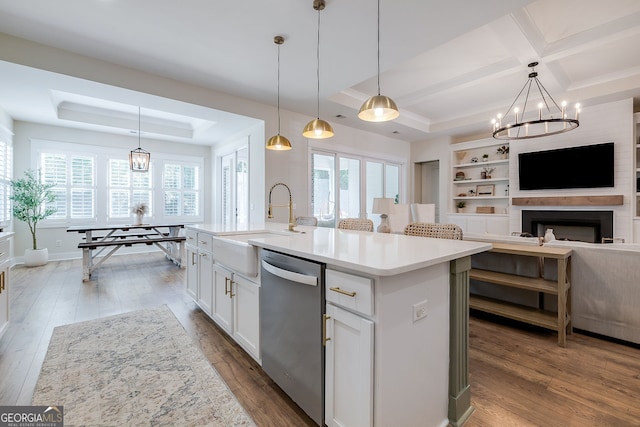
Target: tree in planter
x,y
32,201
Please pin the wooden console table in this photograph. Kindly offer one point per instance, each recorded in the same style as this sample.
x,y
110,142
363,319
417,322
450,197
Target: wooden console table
x,y
116,236
560,321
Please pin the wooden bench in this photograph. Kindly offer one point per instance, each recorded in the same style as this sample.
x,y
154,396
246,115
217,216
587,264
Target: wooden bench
x,y
124,241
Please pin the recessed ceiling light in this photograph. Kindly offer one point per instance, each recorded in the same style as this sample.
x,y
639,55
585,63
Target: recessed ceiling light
x,y
340,116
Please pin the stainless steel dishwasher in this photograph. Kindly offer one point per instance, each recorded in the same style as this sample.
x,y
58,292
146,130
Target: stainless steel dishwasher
x,y
291,319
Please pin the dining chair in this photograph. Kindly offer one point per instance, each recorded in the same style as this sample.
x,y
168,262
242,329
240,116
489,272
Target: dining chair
x,y
361,224
435,230
306,220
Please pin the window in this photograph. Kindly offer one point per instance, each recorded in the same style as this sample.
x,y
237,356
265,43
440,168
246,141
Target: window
x,y
235,187
126,189
73,177
180,183
355,186
95,184
6,162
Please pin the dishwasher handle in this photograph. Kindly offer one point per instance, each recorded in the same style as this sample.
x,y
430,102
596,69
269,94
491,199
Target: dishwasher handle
x,y
290,275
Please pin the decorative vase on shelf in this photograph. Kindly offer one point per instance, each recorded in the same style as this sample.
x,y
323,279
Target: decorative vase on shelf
x,y
549,236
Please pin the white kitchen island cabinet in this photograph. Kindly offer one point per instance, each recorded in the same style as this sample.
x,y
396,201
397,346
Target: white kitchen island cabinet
x,y
410,335
222,310
419,314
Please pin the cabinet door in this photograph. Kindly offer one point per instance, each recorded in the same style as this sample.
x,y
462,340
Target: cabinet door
x,y
205,282
192,272
246,314
4,297
221,309
348,369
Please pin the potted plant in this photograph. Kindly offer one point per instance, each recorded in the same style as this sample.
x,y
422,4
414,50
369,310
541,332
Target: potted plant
x,y
503,151
460,205
32,203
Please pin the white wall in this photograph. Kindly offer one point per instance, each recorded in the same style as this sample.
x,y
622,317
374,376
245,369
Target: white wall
x,y
609,122
431,150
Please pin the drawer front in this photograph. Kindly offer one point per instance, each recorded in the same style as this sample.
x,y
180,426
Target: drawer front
x,y
4,250
205,242
192,237
350,291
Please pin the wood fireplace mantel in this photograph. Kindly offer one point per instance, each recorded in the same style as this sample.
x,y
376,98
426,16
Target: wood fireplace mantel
x,y
613,200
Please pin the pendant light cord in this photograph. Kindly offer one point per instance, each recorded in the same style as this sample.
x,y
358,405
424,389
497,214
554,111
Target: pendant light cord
x,y
278,86
138,127
318,65
378,47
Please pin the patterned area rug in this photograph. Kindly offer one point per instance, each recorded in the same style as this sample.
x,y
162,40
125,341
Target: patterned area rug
x,y
138,368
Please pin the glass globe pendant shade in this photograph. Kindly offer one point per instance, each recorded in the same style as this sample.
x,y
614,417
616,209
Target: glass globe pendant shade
x,y
278,143
378,108
317,129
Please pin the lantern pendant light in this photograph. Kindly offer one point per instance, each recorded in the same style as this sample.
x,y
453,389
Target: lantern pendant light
x,y
139,159
278,142
318,128
378,108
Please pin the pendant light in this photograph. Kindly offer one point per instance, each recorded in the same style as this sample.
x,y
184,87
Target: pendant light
x,y
278,142
534,124
318,128
139,159
378,108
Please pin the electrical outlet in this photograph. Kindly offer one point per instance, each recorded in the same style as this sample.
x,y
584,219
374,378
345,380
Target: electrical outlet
x,y
420,310
58,243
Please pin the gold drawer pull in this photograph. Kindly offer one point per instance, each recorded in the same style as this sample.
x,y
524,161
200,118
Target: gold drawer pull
x,y
343,292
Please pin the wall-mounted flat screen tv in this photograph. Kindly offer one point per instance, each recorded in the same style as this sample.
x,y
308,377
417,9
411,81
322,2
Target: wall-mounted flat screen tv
x,y
588,166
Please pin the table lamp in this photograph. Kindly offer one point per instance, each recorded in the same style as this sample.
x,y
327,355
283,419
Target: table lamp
x,y
383,207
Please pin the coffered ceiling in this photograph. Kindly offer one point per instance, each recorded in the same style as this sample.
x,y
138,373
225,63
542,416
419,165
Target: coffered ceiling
x,y
449,65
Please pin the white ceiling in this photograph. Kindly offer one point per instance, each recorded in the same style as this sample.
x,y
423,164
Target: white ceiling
x,y
450,65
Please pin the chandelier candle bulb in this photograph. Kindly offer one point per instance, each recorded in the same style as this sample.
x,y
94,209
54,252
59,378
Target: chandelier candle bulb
x,y
516,113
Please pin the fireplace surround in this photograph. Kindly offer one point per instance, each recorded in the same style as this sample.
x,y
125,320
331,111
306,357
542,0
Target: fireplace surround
x,y
584,226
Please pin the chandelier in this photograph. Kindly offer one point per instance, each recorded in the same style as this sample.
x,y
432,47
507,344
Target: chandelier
x,y
550,119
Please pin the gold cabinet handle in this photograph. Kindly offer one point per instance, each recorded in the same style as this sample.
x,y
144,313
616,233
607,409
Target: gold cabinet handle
x,y
226,285
193,258
2,282
325,338
343,292
231,294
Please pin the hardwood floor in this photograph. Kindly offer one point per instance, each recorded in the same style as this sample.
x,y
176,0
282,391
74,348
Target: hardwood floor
x,y
519,376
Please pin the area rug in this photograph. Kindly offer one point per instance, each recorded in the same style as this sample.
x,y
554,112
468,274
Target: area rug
x,y
139,368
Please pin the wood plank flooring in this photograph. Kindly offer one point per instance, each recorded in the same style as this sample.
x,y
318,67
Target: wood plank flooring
x,y
518,374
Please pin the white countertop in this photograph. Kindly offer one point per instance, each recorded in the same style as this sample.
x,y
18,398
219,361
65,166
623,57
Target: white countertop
x,y
372,253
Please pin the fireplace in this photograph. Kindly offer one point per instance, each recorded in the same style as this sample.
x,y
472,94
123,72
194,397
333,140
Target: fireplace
x,y
583,226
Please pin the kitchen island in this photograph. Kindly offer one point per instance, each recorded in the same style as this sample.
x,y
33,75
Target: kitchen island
x,y
417,312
